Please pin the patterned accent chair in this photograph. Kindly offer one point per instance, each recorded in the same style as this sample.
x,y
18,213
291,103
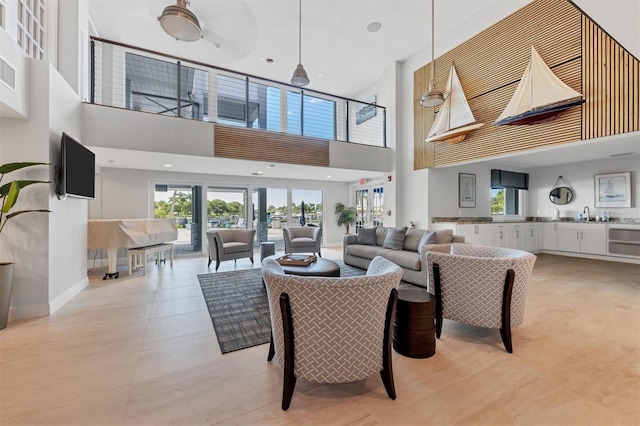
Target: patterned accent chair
x,y
332,330
230,244
480,286
302,239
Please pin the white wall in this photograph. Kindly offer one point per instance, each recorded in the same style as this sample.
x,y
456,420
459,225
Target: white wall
x,y
68,218
25,239
443,190
581,178
386,92
145,131
125,193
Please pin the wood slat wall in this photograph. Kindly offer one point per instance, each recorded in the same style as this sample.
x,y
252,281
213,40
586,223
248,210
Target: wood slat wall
x,y
490,66
261,145
612,85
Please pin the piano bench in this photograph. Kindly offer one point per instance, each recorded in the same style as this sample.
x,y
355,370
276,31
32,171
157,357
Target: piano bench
x,y
137,256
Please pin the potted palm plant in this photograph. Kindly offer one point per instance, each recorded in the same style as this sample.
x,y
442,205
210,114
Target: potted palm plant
x,y
9,193
346,215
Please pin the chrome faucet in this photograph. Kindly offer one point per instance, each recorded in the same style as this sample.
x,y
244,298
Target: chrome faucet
x,y
586,213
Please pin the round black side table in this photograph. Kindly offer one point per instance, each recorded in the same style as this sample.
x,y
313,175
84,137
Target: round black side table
x,y
414,330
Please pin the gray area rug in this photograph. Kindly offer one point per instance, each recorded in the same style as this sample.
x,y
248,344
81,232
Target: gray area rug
x,y
238,306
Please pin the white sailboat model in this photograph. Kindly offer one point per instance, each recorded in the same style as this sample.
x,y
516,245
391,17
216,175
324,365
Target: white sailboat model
x,y
455,119
540,96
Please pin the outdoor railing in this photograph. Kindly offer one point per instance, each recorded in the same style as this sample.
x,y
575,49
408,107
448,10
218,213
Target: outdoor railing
x,y
127,77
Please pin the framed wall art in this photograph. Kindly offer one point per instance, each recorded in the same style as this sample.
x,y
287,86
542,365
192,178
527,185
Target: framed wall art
x,y
613,190
466,190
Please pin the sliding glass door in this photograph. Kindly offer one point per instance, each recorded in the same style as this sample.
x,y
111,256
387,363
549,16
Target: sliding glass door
x,y
227,208
183,204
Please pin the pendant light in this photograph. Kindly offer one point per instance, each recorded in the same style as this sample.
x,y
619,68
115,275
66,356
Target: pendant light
x,y
300,77
433,97
180,23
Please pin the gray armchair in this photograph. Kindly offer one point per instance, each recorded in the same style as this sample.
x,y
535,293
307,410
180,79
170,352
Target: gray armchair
x,y
302,239
332,330
230,244
481,286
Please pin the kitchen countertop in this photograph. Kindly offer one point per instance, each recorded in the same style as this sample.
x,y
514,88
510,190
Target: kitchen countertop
x,y
488,220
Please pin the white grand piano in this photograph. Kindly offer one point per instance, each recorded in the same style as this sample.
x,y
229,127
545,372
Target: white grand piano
x,y
127,233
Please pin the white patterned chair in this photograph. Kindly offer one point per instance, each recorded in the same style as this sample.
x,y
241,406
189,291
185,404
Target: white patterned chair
x,y
302,239
480,286
230,244
332,330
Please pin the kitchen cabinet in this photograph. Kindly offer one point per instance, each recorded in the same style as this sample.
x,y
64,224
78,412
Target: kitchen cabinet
x,y
521,236
624,240
582,238
476,233
550,236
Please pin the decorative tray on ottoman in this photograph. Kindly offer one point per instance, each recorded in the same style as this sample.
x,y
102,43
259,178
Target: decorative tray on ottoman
x,y
296,260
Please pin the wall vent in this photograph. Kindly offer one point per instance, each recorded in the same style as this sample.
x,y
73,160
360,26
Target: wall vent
x,y
7,74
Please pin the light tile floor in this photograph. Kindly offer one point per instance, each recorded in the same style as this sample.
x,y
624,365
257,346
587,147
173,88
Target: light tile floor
x,y
142,350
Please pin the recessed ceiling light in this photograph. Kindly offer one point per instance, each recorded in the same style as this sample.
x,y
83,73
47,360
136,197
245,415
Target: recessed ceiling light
x,y
258,173
262,58
320,74
329,176
271,166
374,27
168,165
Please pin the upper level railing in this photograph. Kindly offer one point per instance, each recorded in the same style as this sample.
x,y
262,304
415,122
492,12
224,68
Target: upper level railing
x,y
127,77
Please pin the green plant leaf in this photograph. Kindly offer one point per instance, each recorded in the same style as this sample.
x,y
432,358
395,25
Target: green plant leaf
x,y
14,214
4,189
11,167
11,197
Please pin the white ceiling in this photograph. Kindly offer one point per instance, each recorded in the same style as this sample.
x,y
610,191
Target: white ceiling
x,y
240,34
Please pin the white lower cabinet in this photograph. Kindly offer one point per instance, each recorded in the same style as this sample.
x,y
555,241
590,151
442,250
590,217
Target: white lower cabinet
x,y
550,236
476,233
582,238
521,236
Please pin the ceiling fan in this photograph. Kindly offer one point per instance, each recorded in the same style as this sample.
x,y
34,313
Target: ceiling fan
x,y
227,27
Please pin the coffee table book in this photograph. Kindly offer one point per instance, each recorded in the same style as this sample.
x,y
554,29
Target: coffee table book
x,y
296,260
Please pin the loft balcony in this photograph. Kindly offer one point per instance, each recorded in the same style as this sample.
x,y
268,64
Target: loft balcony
x,y
197,109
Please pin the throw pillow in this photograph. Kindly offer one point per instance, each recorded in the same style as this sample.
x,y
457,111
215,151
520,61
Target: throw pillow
x,y
395,238
427,238
445,236
412,238
366,236
381,234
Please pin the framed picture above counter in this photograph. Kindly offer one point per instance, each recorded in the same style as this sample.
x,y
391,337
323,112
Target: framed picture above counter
x,y
466,190
613,190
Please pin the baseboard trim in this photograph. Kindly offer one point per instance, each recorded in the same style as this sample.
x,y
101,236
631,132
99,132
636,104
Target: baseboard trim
x,y
609,258
67,295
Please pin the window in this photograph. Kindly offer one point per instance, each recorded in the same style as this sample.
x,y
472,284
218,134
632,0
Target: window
x,y
31,17
505,201
152,86
318,116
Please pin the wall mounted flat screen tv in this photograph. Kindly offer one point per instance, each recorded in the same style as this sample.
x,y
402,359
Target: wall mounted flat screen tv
x,y
78,169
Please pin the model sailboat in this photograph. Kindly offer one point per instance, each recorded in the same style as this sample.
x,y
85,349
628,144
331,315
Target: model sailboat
x,y
454,120
540,96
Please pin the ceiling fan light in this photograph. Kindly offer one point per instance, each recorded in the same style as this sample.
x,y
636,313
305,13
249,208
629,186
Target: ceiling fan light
x,y
180,23
300,77
432,98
